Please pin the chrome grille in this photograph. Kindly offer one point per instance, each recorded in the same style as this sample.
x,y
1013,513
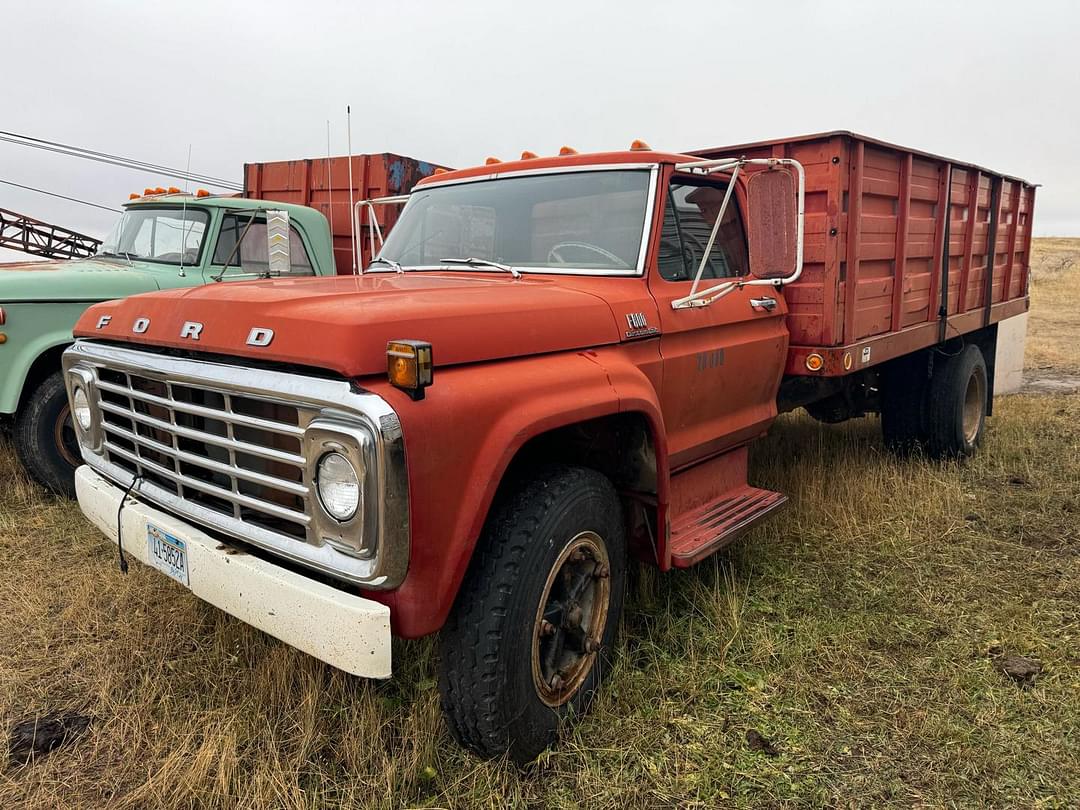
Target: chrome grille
x,y
238,455
228,448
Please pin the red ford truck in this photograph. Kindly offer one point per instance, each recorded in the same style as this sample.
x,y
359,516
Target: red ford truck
x,y
553,367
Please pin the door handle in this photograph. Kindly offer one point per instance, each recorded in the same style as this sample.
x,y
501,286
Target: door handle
x,y
767,304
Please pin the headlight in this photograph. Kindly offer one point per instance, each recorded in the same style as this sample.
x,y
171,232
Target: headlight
x,y
80,408
338,486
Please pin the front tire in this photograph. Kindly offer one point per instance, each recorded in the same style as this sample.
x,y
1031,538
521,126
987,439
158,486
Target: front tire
x,y
44,437
530,636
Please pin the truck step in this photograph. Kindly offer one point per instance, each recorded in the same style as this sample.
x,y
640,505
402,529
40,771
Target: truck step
x,y
699,532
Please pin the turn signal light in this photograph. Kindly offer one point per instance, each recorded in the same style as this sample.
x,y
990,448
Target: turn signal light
x,y
491,161
202,192
640,146
568,150
409,366
815,362
527,155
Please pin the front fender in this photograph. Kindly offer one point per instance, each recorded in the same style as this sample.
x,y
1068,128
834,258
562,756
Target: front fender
x,y
32,330
460,440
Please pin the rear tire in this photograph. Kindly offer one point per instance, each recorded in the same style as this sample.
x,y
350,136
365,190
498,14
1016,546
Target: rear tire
x,y
903,405
530,637
44,437
956,404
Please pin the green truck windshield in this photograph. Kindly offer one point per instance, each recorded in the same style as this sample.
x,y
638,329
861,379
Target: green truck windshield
x,y
166,235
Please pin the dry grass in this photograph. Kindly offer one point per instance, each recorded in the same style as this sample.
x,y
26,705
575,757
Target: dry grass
x,y
854,632
1053,341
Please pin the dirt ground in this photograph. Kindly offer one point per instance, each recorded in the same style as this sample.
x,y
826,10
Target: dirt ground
x,y
905,635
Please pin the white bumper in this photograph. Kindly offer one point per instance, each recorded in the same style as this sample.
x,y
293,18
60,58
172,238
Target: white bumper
x,y
346,631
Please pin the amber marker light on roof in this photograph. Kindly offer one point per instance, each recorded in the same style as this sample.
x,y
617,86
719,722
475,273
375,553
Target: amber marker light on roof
x,y
568,150
409,366
133,196
441,170
202,192
174,190
147,192
159,190
640,146
491,161
527,155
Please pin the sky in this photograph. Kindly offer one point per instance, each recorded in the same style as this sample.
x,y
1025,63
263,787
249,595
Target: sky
x,y
993,83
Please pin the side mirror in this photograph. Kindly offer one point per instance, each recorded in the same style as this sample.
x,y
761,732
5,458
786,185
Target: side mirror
x,y
277,243
772,223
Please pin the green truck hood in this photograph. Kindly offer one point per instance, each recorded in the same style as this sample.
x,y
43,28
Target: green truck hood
x,y
97,279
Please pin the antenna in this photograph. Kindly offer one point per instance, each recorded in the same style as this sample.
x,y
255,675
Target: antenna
x,y
352,227
330,193
183,215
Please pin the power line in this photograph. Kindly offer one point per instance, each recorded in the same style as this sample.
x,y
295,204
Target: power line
x,y
115,160
61,196
52,146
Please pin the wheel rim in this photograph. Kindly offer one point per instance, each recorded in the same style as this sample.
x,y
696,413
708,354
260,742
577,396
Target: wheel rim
x,y
67,443
974,399
570,619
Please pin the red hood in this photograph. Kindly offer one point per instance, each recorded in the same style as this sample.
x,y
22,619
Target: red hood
x,y
343,323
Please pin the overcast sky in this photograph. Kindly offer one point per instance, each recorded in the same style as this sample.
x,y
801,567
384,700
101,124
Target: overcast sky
x,y
991,82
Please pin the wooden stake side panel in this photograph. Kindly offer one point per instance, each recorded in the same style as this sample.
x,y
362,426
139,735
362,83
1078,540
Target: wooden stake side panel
x,y
875,239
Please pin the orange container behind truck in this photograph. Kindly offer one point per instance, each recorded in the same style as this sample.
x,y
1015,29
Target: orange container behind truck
x,y
323,184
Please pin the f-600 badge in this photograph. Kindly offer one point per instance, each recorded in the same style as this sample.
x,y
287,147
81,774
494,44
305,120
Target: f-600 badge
x,y
639,326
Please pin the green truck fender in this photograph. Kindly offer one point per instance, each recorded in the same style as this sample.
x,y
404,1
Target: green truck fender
x,y
28,342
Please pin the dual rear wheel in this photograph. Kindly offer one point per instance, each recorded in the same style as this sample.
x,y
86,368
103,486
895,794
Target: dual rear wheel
x,y
943,414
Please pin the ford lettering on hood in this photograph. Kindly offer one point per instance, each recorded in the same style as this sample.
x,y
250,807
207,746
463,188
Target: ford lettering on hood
x,y
344,323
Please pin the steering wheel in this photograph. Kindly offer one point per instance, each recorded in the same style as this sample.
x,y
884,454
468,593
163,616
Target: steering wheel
x,y
553,254
694,249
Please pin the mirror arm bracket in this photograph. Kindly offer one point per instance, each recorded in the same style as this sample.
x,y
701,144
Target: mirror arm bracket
x,y
705,297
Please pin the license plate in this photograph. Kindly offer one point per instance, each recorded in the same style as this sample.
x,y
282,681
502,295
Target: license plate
x,y
168,554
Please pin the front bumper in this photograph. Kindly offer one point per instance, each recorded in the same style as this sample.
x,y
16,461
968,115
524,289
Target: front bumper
x,y
346,631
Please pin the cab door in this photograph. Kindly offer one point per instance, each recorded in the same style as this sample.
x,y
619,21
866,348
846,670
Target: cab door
x,y
251,258
722,362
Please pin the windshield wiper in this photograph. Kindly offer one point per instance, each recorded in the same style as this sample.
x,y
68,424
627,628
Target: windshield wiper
x,y
472,261
388,262
119,254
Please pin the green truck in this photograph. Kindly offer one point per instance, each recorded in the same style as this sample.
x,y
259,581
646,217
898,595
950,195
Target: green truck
x,y
161,241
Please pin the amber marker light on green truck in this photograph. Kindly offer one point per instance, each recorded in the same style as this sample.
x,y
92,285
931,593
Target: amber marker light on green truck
x,y
161,241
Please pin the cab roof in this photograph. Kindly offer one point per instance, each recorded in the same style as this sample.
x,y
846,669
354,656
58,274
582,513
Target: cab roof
x,y
214,201
312,219
583,160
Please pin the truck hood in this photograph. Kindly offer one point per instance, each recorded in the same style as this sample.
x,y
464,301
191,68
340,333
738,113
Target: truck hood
x,y
72,280
343,323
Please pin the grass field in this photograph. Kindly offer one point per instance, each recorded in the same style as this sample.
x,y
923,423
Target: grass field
x,y
858,633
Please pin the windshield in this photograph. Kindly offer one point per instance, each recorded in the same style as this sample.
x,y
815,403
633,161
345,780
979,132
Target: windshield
x,y
167,235
585,221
